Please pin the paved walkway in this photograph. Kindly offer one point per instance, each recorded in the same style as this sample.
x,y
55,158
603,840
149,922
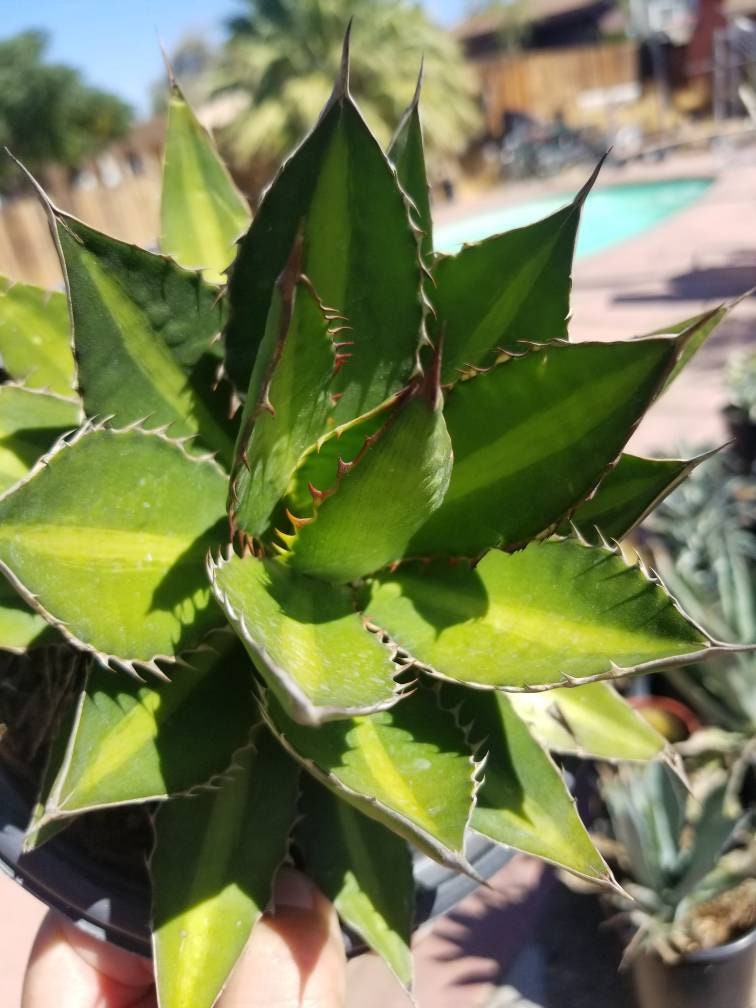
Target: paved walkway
x,y
694,260
459,959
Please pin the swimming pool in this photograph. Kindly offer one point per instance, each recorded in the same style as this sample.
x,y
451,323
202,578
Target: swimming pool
x,y
610,215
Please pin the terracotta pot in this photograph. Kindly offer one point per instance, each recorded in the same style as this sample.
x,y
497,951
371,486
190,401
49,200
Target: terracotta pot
x,y
670,711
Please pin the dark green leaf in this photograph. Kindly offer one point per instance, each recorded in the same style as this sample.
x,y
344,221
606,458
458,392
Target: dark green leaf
x,y
364,869
379,503
408,157
306,639
534,436
136,743
523,801
318,470
144,333
288,404
627,494
510,287
359,251
696,331
212,870
64,669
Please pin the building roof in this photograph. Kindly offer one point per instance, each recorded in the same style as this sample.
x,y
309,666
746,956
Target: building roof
x,y
488,22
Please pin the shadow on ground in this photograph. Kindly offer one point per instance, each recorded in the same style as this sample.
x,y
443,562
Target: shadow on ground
x,y
721,281
581,954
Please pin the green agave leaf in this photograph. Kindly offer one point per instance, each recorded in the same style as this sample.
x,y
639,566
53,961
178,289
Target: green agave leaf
x,y
627,494
306,640
288,404
364,869
35,337
591,721
523,801
128,742
202,213
63,667
534,436
714,828
697,330
360,253
510,287
100,541
554,614
144,333
215,857
30,422
20,627
407,155
39,830
381,501
318,470
408,767
647,810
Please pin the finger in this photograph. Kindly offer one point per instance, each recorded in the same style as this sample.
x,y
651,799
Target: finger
x,y
295,956
70,969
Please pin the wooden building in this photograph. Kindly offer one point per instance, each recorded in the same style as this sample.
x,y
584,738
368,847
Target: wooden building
x,y
569,59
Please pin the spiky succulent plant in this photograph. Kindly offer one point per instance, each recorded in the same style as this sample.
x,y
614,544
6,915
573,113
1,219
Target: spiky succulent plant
x,y
345,608
680,854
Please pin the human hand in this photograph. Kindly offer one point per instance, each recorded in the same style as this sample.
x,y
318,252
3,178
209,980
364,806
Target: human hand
x,y
294,957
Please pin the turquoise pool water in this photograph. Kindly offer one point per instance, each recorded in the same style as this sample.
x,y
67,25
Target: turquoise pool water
x,y
610,215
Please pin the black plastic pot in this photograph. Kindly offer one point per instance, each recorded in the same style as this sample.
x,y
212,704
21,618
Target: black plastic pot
x,y
742,430
96,899
721,977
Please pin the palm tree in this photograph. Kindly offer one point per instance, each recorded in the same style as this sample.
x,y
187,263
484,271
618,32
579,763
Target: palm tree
x,y
284,55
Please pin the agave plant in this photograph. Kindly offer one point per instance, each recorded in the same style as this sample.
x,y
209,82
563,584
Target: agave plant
x,y
680,854
704,549
330,624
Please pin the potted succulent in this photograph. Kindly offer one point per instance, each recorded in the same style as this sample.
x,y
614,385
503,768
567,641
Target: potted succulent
x,y
688,863
334,623
704,547
740,412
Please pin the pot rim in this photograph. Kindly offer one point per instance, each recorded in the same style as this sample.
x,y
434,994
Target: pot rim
x,y
730,948
699,956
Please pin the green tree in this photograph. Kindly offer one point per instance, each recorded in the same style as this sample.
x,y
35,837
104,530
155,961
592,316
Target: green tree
x,y
284,54
48,113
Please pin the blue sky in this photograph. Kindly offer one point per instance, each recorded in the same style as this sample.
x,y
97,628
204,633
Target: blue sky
x,y
115,41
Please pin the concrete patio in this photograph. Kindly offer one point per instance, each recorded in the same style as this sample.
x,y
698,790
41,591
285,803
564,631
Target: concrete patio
x,y
692,260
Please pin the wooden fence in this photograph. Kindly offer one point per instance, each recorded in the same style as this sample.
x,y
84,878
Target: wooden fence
x,y
127,208
547,82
